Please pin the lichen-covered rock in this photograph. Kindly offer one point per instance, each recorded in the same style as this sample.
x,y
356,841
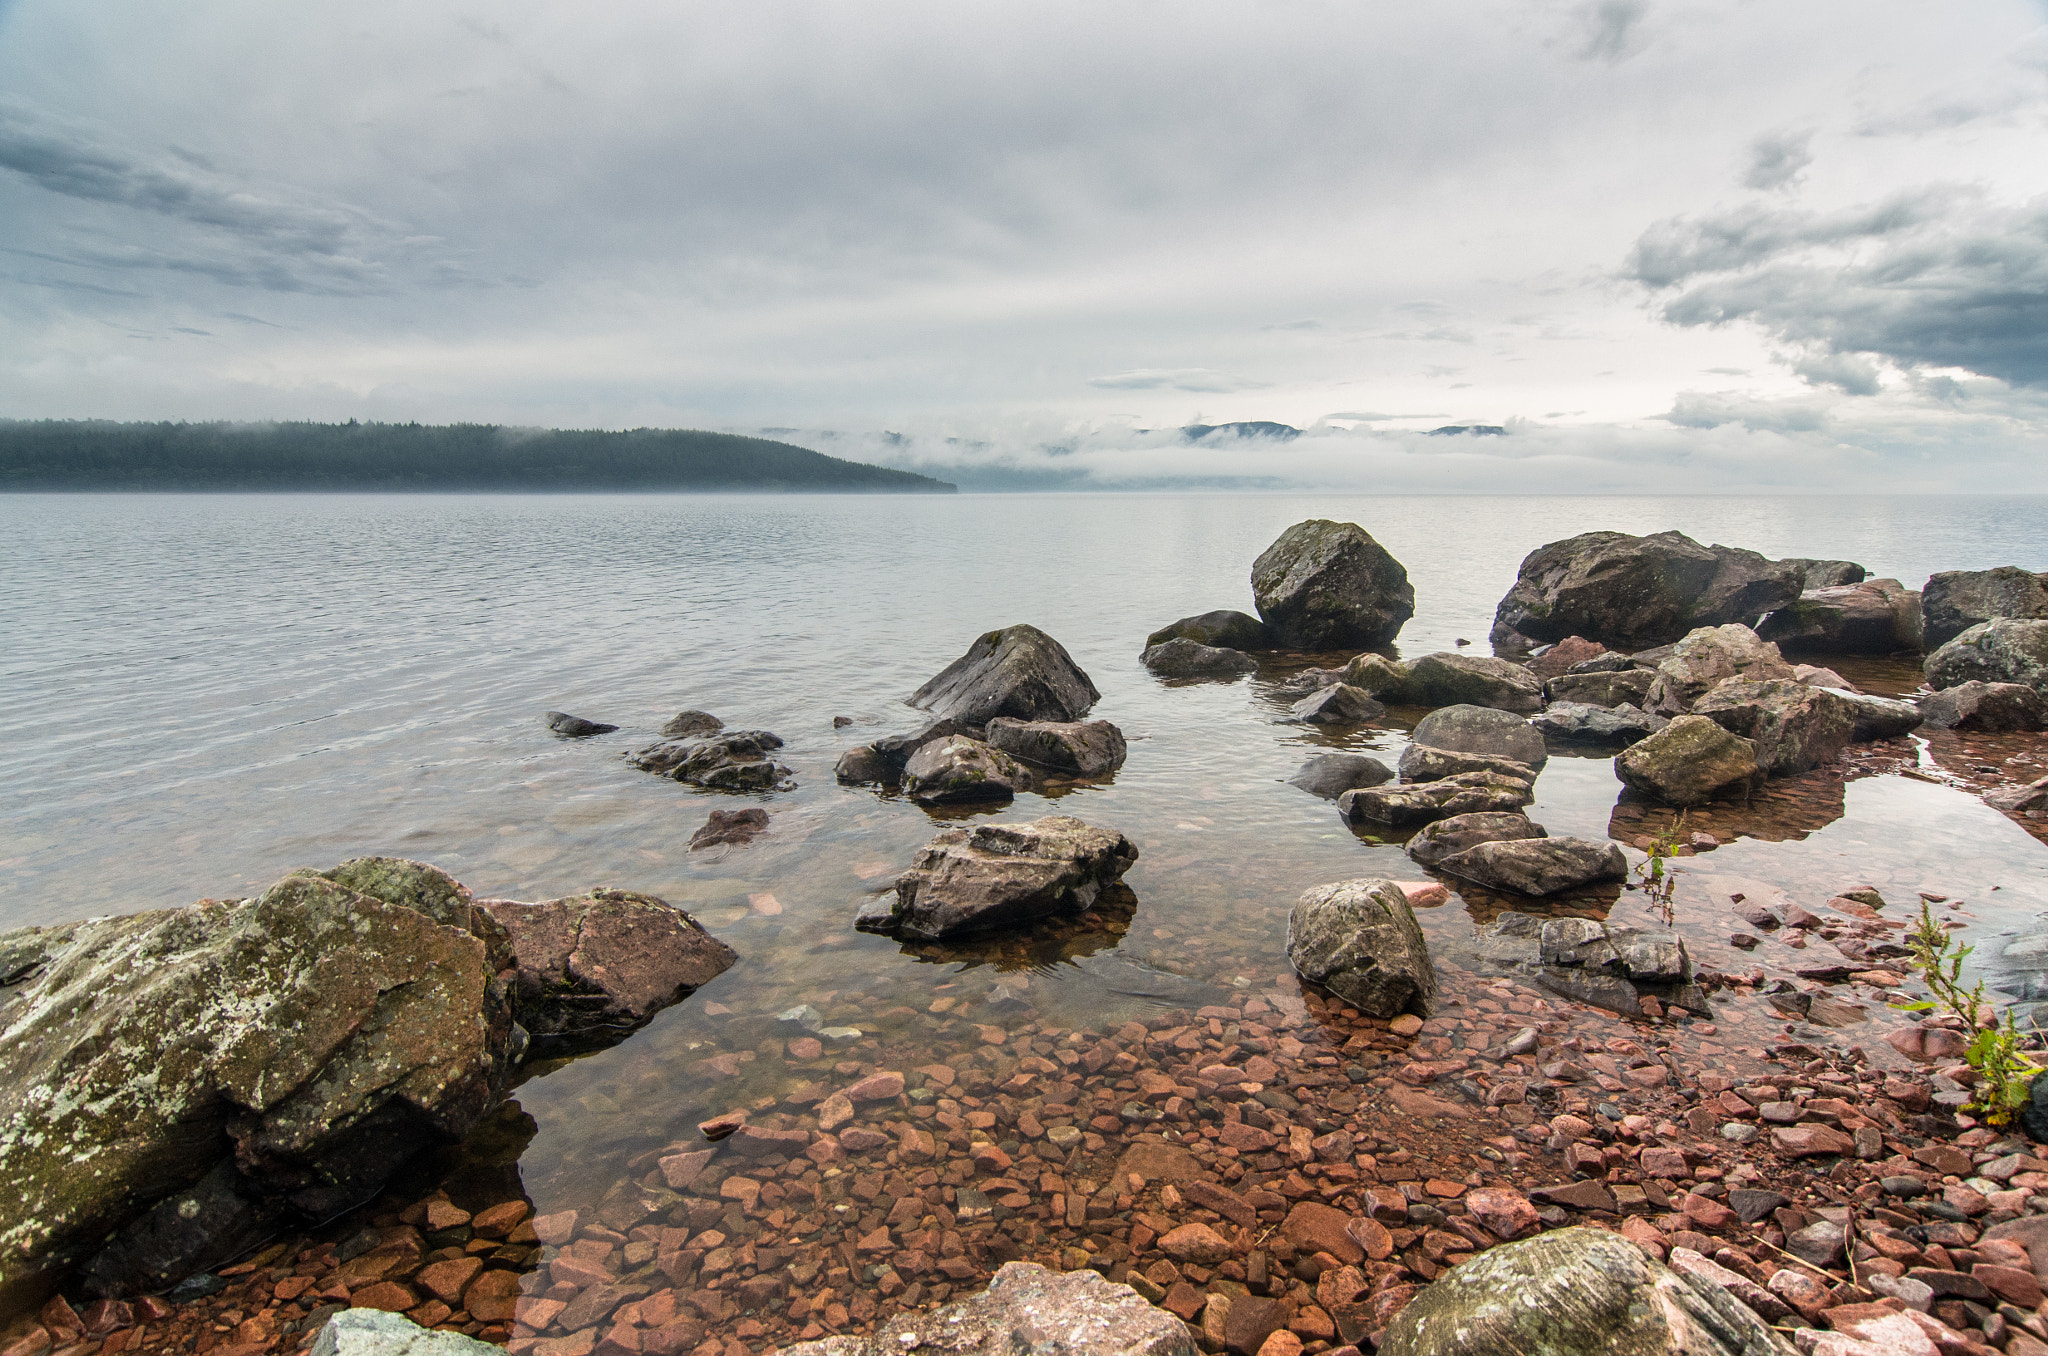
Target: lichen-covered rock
x,y
1576,1292
1878,616
1422,763
1337,704
1482,729
1826,574
1794,727
1073,748
958,770
1451,679
1956,600
1026,1308
1434,842
1632,593
1191,659
1580,725
2000,651
1467,793
1612,688
1330,775
735,760
1359,939
1705,659
1324,586
1003,875
1986,706
1016,671
1537,866
1380,676
1688,762
1222,629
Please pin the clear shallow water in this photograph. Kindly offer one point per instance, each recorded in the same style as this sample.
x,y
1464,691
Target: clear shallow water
x,y
203,692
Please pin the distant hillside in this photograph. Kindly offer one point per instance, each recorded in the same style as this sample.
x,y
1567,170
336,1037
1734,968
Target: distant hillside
x,y
95,455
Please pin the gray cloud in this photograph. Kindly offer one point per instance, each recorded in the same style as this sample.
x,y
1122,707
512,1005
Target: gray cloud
x,y
1778,160
1199,379
1708,410
1612,29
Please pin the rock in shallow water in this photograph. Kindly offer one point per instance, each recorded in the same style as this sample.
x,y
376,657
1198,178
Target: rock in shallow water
x,y
2002,651
1337,704
1360,940
1330,775
1956,600
1017,671
1880,616
1466,793
686,723
1324,586
1688,762
1537,866
1002,875
1707,658
958,770
576,727
1421,763
1093,748
1222,629
737,760
734,828
1188,659
1793,726
1482,729
1583,725
1447,836
1986,706
1631,686
1451,679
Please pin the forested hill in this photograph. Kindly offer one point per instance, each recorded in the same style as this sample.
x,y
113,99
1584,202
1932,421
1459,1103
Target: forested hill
x,y
94,455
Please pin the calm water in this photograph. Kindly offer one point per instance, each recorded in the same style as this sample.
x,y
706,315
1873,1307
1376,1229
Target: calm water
x,y
205,691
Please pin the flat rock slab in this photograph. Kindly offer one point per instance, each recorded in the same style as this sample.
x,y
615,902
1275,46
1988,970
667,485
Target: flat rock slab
x,y
1191,659
1467,793
1445,837
1092,748
1002,875
1537,866
1466,728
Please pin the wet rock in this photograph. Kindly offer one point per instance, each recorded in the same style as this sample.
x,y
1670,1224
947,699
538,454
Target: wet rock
x,y
1467,793
1879,616
576,727
734,828
1986,706
1880,717
883,760
1450,679
1422,763
1092,748
1222,629
1337,704
1631,686
1814,676
1324,585
374,1332
1330,775
683,724
1707,658
1582,725
2016,799
1479,729
1552,661
1360,940
1689,762
1635,592
1450,836
1993,652
1583,1291
1017,671
1380,676
1794,727
1826,574
1188,659
737,760
1003,875
1026,1308
1956,600
862,766
1537,866
958,770
1651,956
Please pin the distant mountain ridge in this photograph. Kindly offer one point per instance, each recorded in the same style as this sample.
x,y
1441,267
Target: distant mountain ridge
x,y
104,455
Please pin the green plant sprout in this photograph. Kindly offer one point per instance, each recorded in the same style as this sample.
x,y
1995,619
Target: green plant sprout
x,y
2005,1070
1654,880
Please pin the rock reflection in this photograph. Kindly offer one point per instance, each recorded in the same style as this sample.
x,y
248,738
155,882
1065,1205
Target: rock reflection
x,y
1784,811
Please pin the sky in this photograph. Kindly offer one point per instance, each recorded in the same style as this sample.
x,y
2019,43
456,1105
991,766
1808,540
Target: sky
x,y
1667,245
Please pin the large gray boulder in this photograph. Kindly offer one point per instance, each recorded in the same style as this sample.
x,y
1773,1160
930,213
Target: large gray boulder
x,y
1579,725
1613,688
1330,775
1359,939
2000,651
1631,593
1071,748
1337,704
1826,574
1002,875
1191,659
883,760
373,1332
1384,678
1017,671
1537,866
1481,729
1434,842
1447,678
1794,727
1956,600
1878,616
1986,706
1576,1292
733,760
1705,659
1689,762
1465,794
1329,586
1223,629
1026,1308
957,770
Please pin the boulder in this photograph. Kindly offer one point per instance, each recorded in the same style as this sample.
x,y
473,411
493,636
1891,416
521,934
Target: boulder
x,y
1381,676
1450,679
1614,661
2002,651
1986,706
1359,939
1551,661
1602,688
1026,1308
1017,671
1223,630
1956,600
730,828
1072,748
958,770
1002,875
1879,616
1815,676
1330,775
1449,836
883,760
1688,762
1337,704
1826,574
1537,866
1467,793
1481,729
1583,726
1191,659
1421,763
1326,586
1879,717
1635,592
686,723
576,727
1576,1292
862,766
736,760
1794,727
374,1332
1705,659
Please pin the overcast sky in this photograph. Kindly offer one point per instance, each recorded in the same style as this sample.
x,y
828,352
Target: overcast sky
x,y
1702,244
